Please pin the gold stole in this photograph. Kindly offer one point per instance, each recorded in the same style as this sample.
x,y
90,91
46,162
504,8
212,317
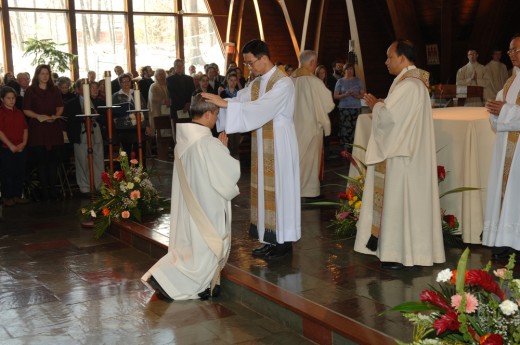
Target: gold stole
x,y
380,172
269,169
512,139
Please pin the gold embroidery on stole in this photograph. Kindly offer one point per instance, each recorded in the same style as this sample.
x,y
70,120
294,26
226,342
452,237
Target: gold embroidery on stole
x,y
268,172
512,139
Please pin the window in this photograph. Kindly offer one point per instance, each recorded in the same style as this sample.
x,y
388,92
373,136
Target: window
x,y
57,4
201,45
100,5
153,6
102,42
38,25
155,34
194,6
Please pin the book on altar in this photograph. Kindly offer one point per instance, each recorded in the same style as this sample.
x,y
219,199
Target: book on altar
x,y
43,118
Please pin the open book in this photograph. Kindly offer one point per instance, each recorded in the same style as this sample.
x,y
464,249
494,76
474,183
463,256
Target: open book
x,y
43,118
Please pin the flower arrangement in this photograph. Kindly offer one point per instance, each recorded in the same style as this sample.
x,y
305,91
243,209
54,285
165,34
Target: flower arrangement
x,y
125,194
470,307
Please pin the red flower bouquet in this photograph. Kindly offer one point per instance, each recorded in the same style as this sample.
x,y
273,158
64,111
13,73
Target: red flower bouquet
x,y
126,194
471,307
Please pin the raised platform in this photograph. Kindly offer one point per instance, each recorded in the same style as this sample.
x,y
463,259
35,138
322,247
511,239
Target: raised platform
x,y
324,290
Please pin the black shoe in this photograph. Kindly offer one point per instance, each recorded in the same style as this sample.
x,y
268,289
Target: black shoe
x,y
204,295
501,253
161,294
261,251
396,266
279,251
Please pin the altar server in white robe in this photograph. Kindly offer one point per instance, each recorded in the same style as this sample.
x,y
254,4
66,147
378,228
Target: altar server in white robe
x,y
204,181
502,219
313,102
400,208
266,107
473,74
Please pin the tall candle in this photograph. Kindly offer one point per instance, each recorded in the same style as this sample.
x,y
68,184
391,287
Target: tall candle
x,y
137,97
86,97
108,89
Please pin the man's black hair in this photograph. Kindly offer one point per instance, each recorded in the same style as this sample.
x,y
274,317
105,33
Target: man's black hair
x,y
256,47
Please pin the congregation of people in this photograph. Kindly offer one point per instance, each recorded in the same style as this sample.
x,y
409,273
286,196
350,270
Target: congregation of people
x,y
289,113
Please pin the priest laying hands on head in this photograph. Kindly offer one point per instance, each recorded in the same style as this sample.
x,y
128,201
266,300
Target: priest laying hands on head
x,y
204,182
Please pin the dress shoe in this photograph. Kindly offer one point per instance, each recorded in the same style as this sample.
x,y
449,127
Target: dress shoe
x,y
396,266
501,253
161,294
204,295
261,251
279,251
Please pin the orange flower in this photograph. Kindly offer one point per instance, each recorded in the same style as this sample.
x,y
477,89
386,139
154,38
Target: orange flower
x,y
350,195
135,195
105,211
125,214
133,161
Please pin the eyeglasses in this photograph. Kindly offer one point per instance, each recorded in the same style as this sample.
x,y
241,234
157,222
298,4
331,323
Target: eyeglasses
x,y
250,63
513,51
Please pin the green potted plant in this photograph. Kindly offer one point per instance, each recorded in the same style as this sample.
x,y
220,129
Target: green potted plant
x,y
46,51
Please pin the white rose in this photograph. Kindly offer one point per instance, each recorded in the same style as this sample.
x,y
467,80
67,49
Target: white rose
x,y
122,188
444,276
137,179
130,185
508,307
92,214
123,153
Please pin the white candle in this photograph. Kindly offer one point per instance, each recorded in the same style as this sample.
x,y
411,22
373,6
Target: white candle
x,y
108,89
86,97
137,99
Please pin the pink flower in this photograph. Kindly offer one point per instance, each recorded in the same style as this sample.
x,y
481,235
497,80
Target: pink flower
x,y
134,161
342,215
500,273
441,173
135,195
471,302
125,214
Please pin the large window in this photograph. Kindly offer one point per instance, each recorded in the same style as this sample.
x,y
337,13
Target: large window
x,y
102,42
154,41
201,45
100,36
153,6
38,25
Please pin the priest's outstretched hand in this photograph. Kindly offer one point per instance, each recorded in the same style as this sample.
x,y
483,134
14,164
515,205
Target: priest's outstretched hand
x,y
215,99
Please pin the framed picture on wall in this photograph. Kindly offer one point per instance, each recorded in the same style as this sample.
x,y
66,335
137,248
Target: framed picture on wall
x,y
432,54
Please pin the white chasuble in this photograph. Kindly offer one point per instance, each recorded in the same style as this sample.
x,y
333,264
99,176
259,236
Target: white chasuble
x,y
244,115
212,174
502,219
313,102
402,135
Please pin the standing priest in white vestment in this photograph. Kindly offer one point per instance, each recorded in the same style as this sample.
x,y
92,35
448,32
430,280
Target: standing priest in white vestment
x,y
266,107
204,181
400,218
502,219
312,104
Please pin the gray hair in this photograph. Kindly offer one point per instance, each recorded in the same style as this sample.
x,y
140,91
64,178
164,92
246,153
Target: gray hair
x,y
199,106
63,80
307,56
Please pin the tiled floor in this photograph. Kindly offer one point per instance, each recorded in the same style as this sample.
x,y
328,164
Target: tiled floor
x,y
58,285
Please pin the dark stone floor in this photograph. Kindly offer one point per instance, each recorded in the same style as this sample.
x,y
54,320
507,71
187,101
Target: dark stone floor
x,y
59,285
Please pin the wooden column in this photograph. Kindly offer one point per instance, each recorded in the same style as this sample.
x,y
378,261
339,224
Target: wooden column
x,y
6,35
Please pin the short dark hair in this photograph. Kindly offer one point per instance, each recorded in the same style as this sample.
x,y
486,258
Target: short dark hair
x,y
199,106
406,48
515,36
5,90
256,47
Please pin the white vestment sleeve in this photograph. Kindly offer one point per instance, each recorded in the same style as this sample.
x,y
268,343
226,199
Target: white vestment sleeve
x,y
224,170
509,118
244,115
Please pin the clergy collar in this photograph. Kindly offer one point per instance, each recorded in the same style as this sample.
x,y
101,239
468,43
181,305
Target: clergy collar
x,y
404,70
268,74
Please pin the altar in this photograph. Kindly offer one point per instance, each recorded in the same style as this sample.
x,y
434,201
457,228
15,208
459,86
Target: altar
x,y
464,139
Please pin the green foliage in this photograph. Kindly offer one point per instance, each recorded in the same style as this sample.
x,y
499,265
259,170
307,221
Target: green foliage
x,y
46,51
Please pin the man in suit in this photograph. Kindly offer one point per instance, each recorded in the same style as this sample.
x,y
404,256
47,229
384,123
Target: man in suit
x,y
180,87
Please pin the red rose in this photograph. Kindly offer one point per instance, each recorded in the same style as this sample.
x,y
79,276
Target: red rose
x,y
446,322
485,281
344,154
132,155
441,173
434,298
342,195
451,220
491,339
